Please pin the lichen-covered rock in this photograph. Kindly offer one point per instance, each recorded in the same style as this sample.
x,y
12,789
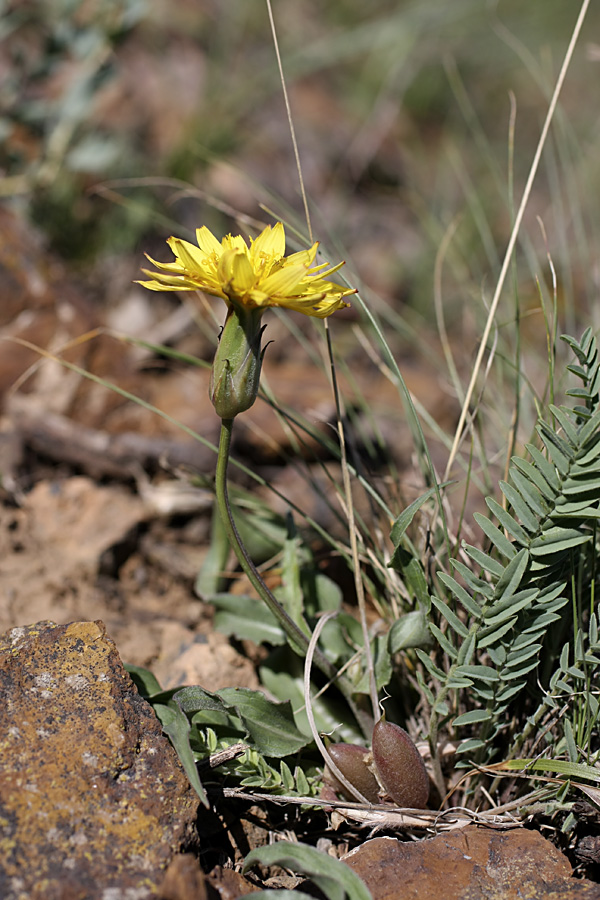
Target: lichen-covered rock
x,y
93,800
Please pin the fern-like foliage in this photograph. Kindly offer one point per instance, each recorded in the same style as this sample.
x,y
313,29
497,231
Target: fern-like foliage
x,y
503,620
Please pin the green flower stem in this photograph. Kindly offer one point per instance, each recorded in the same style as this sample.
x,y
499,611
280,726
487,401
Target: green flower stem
x,y
296,637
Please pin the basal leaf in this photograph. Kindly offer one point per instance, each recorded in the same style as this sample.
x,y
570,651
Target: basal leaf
x,y
176,726
410,630
333,877
270,725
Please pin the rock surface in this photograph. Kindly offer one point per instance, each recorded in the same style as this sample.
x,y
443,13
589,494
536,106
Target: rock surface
x,y
93,800
469,864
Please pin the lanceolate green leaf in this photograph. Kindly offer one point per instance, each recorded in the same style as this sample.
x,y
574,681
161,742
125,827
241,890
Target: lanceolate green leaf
x,y
333,877
461,594
508,522
497,537
536,476
544,466
176,726
520,507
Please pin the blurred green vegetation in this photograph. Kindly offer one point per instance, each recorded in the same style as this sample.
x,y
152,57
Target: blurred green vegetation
x,y
402,111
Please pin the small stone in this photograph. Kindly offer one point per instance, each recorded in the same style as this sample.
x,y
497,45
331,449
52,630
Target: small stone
x,y
93,800
471,863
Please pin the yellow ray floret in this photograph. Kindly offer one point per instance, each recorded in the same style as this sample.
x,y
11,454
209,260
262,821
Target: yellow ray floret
x,y
253,276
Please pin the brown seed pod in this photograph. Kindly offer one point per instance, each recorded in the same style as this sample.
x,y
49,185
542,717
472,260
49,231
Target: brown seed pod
x,y
399,766
351,760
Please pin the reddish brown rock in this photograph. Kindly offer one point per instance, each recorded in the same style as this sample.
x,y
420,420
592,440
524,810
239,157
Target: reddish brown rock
x,y
469,864
93,800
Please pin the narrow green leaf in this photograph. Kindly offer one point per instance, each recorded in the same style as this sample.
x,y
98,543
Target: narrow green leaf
x,y
513,575
509,691
484,560
413,575
570,741
144,680
531,495
246,618
557,540
467,649
470,745
457,683
333,877
582,483
589,441
536,476
520,507
545,467
452,619
516,657
405,518
497,537
559,451
461,595
508,522
443,641
481,673
520,671
472,718
430,665
558,766
477,585
564,420
177,728
509,605
489,636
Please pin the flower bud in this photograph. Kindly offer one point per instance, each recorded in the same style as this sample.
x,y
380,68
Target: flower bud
x,y
235,374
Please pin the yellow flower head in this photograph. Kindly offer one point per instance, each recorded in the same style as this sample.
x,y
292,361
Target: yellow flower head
x,y
253,277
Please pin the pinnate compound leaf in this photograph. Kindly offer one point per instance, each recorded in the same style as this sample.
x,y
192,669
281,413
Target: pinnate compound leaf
x,y
334,878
